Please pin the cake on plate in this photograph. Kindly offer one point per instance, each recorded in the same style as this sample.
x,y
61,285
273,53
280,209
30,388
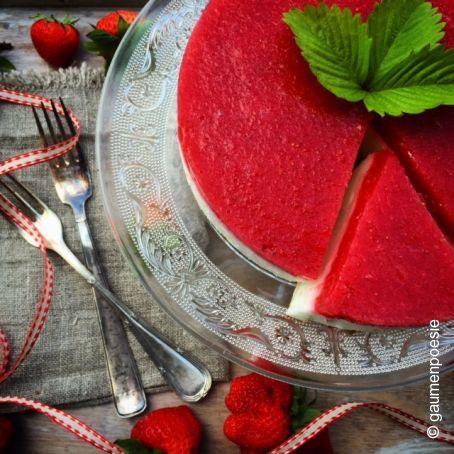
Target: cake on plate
x,y
277,164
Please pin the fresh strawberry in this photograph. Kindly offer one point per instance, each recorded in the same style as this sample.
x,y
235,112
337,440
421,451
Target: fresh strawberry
x,y
6,430
110,23
55,41
173,430
249,391
258,431
108,32
265,412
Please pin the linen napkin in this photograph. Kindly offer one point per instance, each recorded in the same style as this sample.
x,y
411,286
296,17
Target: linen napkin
x,y
67,365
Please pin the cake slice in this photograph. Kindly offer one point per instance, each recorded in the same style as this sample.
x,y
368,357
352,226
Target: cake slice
x,y
425,145
390,264
268,151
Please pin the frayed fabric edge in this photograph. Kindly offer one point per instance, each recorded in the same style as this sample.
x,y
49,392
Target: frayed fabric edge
x,y
81,76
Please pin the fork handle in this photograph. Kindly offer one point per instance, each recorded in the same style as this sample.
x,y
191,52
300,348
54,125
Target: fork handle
x,y
127,390
189,378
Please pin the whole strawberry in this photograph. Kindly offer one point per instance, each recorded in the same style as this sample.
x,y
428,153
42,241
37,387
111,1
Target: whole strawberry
x,y
6,430
265,412
172,430
55,41
260,413
113,22
259,430
108,32
249,392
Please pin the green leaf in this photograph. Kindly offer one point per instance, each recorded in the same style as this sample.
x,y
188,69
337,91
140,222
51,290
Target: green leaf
x,y
424,80
122,26
393,63
6,65
398,28
103,37
336,45
300,410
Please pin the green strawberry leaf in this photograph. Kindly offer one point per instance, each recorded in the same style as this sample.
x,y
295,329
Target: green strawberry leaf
x,y
424,80
301,411
336,45
393,63
68,20
103,37
6,65
122,26
131,446
399,28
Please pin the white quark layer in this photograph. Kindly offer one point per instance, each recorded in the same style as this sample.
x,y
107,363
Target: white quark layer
x,y
303,303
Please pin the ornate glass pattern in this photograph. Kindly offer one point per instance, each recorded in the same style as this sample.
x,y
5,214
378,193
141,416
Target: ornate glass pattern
x,y
136,136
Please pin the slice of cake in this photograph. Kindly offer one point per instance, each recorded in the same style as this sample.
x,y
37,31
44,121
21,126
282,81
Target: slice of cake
x,y
391,265
269,152
425,145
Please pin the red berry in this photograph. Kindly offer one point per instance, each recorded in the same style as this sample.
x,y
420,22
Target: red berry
x,y
259,431
6,430
249,391
173,430
56,42
260,408
109,23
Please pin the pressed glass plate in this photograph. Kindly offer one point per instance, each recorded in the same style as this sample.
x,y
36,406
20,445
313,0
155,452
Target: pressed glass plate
x,y
209,289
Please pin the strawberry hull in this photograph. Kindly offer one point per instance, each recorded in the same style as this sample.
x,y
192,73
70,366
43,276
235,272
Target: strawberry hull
x,y
394,267
270,150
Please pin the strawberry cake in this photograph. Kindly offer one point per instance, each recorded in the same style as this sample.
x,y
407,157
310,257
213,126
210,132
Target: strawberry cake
x,y
268,149
274,161
391,266
425,145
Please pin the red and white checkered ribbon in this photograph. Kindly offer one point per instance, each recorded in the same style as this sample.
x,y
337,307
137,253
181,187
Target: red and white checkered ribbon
x,y
20,161
72,424
330,416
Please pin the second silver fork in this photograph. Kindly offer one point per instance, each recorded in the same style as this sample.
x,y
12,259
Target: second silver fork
x,y
73,185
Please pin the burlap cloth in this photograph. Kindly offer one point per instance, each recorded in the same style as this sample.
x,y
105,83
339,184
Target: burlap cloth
x,y
67,364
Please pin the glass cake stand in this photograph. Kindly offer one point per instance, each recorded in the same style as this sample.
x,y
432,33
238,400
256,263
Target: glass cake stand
x,y
188,269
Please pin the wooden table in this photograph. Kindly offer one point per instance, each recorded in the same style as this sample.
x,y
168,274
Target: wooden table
x,y
363,433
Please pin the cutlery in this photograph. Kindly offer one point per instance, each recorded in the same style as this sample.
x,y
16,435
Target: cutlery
x,y
73,185
189,378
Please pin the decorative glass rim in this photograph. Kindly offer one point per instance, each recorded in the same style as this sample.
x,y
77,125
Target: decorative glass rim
x,y
131,145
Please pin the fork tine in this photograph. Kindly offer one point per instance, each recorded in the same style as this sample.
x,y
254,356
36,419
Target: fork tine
x,y
80,159
42,135
68,118
49,124
58,120
18,196
32,196
23,233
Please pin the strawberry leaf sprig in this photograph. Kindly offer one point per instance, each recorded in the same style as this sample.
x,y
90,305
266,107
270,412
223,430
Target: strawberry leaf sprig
x,y
108,33
394,63
5,64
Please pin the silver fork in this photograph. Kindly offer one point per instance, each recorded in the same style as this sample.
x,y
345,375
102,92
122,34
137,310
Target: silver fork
x,y
189,378
73,185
